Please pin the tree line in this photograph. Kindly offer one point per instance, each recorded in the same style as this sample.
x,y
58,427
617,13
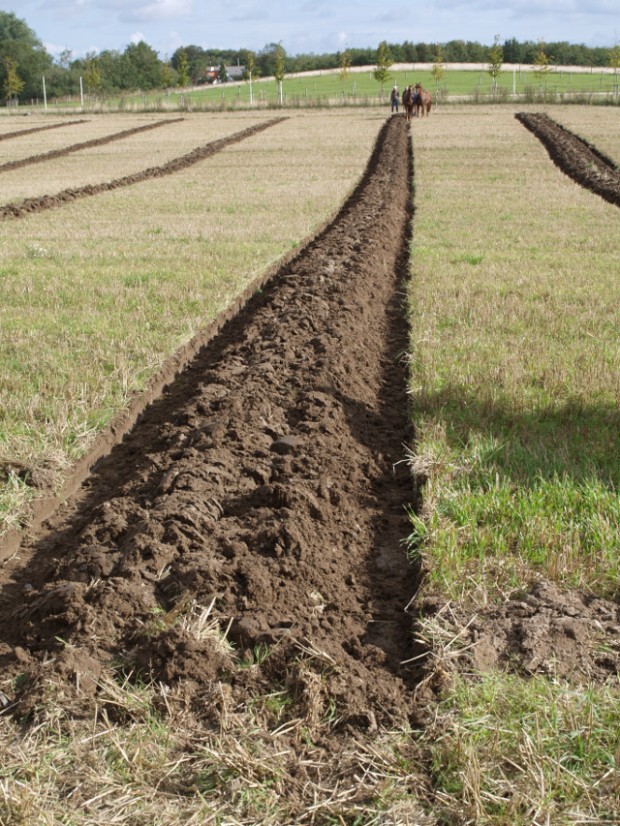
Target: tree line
x,y
24,61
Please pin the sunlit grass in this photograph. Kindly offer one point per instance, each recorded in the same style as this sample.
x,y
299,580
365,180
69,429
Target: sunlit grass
x,y
509,751
328,88
515,376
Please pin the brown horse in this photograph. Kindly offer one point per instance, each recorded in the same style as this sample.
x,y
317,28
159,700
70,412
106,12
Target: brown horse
x,y
408,101
423,101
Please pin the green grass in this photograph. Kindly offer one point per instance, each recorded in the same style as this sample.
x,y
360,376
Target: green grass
x,y
515,363
514,396
512,752
360,87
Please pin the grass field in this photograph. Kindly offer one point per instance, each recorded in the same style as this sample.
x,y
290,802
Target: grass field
x,y
515,385
515,390
327,88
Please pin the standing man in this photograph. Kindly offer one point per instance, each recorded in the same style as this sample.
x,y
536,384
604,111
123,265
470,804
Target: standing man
x,y
394,98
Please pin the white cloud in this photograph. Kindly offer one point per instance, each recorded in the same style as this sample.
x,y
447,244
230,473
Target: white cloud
x,y
53,49
136,37
159,10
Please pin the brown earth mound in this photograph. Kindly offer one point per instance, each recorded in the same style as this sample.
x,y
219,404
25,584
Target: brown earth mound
x,y
76,147
577,158
40,203
267,485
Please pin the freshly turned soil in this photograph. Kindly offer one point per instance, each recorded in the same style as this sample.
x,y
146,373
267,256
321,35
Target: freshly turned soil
x,y
270,479
577,158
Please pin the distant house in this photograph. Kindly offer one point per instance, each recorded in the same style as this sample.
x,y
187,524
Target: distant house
x,y
211,73
235,72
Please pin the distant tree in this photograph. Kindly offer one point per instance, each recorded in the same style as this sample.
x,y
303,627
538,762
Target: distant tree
x,y
141,67
248,60
614,63
92,74
383,62
111,70
13,84
182,68
542,63
266,59
438,70
20,43
344,62
512,50
65,59
279,69
197,62
250,69
222,74
496,60
455,51
168,75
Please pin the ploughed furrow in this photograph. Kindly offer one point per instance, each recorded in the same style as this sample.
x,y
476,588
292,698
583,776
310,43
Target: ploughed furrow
x,y
77,147
8,135
267,483
38,204
577,158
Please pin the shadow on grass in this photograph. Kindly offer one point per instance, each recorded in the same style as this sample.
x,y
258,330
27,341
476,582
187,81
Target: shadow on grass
x,y
571,440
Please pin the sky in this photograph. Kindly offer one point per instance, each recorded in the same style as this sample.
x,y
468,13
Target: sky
x,y
306,26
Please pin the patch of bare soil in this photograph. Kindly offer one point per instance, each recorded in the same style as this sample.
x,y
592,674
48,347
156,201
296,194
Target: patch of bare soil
x,y
541,630
40,203
18,134
76,147
268,482
577,158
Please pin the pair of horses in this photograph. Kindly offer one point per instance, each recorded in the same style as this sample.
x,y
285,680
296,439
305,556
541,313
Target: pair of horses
x,y
415,97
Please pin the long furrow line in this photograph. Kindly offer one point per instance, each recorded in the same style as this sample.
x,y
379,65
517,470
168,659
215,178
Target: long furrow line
x,y
77,147
20,132
30,205
268,482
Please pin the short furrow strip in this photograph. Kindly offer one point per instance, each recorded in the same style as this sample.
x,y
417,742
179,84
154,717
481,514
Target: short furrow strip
x,y
577,158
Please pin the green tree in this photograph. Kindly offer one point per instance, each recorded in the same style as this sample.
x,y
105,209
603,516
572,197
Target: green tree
x,y
13,84
383,62
614,63
250,69
141,67
279,69
168,75
222,74
542,63
198,60
20,43
496,60
92,74
111,70
438,70
344,62
182,68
